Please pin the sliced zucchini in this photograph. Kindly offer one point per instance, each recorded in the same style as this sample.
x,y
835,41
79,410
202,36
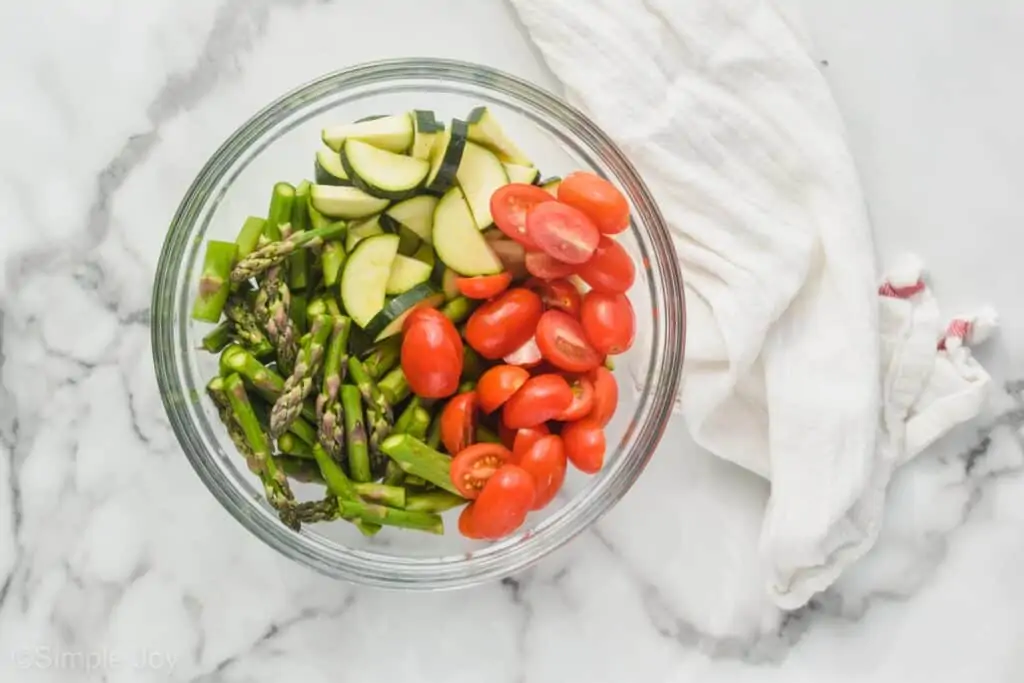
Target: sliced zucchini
x,y
365,277
425,253
409,243
417,214
446,157
360,231
389,321
328,169
406,273
480,174
393,133
448,286
344,202
521,174
485,130
382,173
457,241
551,185
426,131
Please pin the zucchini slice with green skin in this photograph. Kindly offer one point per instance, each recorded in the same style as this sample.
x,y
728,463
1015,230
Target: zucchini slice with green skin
x,y
365,277
426,130
382,173
393,133
345,202
480,174
406,273
425,253
389,321
417,214
328,169
360,231
484,129
446,157
551,185
458,242
521,174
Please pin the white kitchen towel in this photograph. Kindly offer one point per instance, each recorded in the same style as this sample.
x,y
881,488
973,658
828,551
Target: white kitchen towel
x,y
799,367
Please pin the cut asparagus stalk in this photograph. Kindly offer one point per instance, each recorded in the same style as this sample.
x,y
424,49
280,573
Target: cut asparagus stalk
x,y
214,282
405,419
272,309
378,413
316,307
392,496
485,435
418,459
331,428
355,433
298,262
332,260
311,512
280,212
275,253
275,484
263,380
249,235
433,501
304,470
289,444
434,432
384,357
379,514
419,424
300,383
219,337
394,387
297,311
458,309
472,365
340,485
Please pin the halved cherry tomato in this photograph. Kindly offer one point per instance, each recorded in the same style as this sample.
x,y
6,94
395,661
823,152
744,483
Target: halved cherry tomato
x,y
561,294
606,395
466,527
526,356
598,198
504,503
582,400
610,269
563,343
608,321
458,422
428,313
507,436
432,363
502,325
563,232
584,445
498,384
525,438
545,462
542,398
483,286
510,205
474,465
539,264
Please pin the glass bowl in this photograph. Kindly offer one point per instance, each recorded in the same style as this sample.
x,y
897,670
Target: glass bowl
x,y
278,143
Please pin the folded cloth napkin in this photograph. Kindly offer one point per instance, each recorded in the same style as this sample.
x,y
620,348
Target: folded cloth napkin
x,y
799,367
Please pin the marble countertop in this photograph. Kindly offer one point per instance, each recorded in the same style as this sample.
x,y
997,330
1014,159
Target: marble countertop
x,y
117,565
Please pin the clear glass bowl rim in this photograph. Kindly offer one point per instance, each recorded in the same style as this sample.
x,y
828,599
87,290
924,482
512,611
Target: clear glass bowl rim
x,y
502,558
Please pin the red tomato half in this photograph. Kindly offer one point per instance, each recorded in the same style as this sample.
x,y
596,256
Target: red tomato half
x,y
502,325
474,465
598,198
610,269
608,322
431,361
542,398
466,527
539,264
502,506
561,294
525,438
458,422
582,400
606,395
510,205
563,343
526,356
545,461
498,384
484,286
562,232
584,445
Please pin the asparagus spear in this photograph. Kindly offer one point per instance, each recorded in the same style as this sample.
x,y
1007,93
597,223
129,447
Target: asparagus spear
x,y
331,429
405,419
297,311
485,435
458,309
394,387
332,260
433,501
311,512
265,381
219,337
418,459
272,305
289,444
434,432
218,395
340,485
419,424
299,384
393,496
246,326
378,413
298,263
275,484
214,283
383,357
280,212
379,514
358,456
472,364
275,253
304,470
249,235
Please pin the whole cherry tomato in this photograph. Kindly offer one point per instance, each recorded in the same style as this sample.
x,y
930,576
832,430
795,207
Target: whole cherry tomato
x,y
564,233
502,325
608,321
432,363
474,465
584,445
498,384
542,398
610,269
606,395
428,314
458,422
598,198
504,502
545,462
564,344
510,205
